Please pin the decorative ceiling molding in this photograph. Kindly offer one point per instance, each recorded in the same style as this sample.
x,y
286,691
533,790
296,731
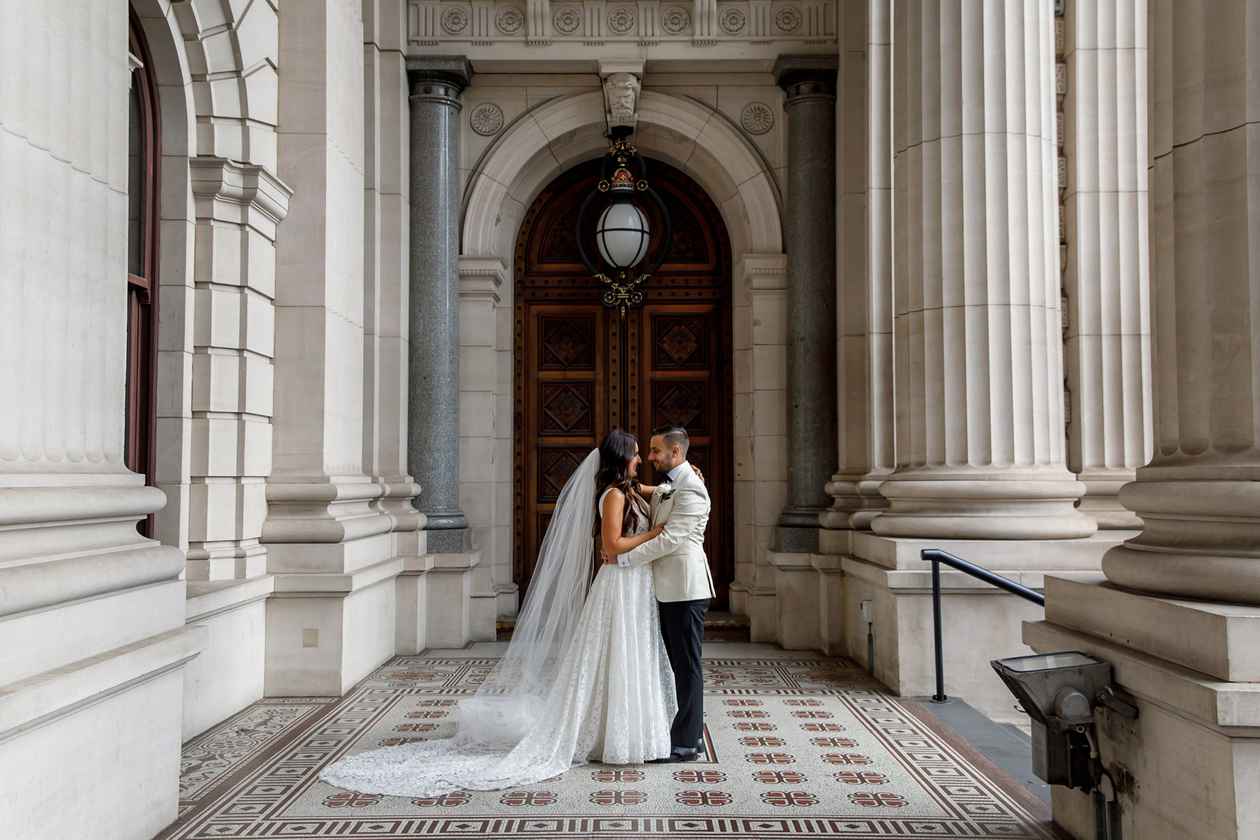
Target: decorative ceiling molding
x,y
578,29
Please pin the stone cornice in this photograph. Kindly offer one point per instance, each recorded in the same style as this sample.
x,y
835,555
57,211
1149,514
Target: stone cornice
x,y
765,272
481,277
499,31
248,185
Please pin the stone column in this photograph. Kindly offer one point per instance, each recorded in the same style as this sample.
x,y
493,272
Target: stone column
x,y
863,266
1199,498
1106,278
433,416
978,343
92,614
810,84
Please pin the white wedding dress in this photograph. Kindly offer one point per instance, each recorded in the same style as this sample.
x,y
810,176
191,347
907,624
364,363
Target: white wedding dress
x,y
608,697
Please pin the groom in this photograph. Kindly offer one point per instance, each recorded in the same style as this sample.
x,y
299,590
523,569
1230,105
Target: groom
x,y
680,575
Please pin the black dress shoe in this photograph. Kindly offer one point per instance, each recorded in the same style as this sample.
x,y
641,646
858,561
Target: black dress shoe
x,y
680,754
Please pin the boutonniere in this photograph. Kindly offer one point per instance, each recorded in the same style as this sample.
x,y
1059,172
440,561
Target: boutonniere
x,y
666,495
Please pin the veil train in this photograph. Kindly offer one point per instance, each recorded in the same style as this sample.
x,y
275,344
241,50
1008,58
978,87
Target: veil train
x,y
510,704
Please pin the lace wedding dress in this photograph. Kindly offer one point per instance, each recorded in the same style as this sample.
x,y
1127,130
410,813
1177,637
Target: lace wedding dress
x,y
592,686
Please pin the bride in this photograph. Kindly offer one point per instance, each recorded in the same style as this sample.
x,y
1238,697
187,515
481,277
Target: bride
x,y
585,677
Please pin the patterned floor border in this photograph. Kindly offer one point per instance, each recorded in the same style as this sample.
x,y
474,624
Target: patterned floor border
x,y
242,778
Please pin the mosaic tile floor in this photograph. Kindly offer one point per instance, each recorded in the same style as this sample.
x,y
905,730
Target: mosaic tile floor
x,y
797,745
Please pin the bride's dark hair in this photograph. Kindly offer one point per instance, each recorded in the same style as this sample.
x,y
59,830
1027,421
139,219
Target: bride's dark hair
x,y
616,452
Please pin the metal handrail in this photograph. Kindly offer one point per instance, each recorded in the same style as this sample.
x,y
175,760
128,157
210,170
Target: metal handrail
x,y
937,557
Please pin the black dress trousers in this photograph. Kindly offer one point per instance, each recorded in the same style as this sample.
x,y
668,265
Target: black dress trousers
x,y
682,626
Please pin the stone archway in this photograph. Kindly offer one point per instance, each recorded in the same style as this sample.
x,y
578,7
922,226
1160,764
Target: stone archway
x,y
703,144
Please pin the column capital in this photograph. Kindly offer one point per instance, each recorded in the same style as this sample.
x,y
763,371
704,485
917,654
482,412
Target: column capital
x,y
803,76
439,76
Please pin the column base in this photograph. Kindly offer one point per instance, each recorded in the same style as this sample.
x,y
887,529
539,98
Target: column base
x,y
1200,539
327,631
1102,499
447,532
987,505
95,733
228,675
809,589
435,602
1190,721
797,530
857,503
763,614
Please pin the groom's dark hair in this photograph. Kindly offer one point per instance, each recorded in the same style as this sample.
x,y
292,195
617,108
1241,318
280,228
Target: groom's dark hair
x,y
674,436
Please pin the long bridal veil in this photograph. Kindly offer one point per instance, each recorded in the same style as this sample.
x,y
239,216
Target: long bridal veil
x,y
510,704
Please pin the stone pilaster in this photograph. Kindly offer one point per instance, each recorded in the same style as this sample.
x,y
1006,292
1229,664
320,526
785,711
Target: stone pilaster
x,y
863,266
810,230
433,416
1106,279
332,617
1199,498
978,345
386,281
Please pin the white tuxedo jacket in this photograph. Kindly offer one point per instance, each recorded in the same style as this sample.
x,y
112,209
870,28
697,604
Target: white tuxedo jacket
x,y
680,569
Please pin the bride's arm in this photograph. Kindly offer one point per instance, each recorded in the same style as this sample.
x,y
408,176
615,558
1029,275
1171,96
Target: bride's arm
x,y
611,539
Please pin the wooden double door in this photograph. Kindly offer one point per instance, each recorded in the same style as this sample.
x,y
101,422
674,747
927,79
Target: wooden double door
x,y
583,369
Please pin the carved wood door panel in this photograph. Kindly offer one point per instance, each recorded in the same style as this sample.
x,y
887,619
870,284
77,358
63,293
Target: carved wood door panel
x,y
581,369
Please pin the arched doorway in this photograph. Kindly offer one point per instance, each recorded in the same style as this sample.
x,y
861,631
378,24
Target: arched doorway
x,y
581,370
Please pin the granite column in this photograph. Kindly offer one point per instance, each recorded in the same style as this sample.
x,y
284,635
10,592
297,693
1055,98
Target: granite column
x,y
810,84
979,364
433,408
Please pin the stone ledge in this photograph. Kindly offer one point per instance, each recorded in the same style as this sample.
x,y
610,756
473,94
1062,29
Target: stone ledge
x,y
1084,554
1230,709
1221,640
919,581
207,599
332,584
458,561
46,697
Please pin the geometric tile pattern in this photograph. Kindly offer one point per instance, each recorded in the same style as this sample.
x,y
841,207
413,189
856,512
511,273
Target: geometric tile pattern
x,y
798,745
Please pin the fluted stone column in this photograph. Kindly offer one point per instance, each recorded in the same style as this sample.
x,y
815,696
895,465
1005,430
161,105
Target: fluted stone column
x,y
1199,498
978,348
1107,278
863,266
810,83
433,416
